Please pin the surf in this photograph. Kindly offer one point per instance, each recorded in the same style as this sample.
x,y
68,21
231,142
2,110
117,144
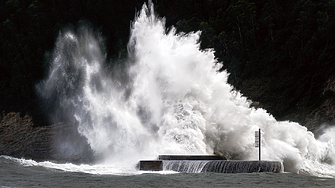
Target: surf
x,y
170,97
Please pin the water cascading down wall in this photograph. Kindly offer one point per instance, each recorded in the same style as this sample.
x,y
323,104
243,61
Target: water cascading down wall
x,y
208,163
168,97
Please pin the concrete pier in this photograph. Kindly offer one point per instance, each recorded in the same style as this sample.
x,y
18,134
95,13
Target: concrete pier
x,y
190,157
208,163
243,166
156,165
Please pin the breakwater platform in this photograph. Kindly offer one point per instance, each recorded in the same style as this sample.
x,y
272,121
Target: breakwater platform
x,y
208,163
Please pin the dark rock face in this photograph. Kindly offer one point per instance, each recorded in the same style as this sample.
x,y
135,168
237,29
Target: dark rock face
x,y
318,117
18,138
324,115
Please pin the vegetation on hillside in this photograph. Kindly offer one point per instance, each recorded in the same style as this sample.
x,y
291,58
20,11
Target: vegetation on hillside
x,y
280,53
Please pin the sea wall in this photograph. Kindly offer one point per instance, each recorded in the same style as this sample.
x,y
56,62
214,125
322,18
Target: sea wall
x,y
191,157
198,164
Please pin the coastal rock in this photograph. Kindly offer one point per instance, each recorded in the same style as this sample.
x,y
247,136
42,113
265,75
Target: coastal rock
x,y
19,138
324,115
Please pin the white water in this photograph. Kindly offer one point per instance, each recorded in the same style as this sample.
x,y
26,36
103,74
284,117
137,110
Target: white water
x,y
170,99
184,165
121,169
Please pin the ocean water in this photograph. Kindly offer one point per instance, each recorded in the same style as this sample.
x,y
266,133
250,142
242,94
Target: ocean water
x,y
27,173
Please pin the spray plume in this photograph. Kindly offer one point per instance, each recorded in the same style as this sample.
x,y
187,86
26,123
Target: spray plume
x,y
171,99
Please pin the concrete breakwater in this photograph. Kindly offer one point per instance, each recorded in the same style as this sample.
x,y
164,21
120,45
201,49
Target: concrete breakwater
x,y
209,163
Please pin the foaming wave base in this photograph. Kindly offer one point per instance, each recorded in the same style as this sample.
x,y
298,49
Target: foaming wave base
x,y
168,97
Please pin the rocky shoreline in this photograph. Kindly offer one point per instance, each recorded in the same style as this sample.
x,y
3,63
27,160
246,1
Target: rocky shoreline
x,y
19,138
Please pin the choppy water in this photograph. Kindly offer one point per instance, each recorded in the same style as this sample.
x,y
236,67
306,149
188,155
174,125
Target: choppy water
x,y
27,173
